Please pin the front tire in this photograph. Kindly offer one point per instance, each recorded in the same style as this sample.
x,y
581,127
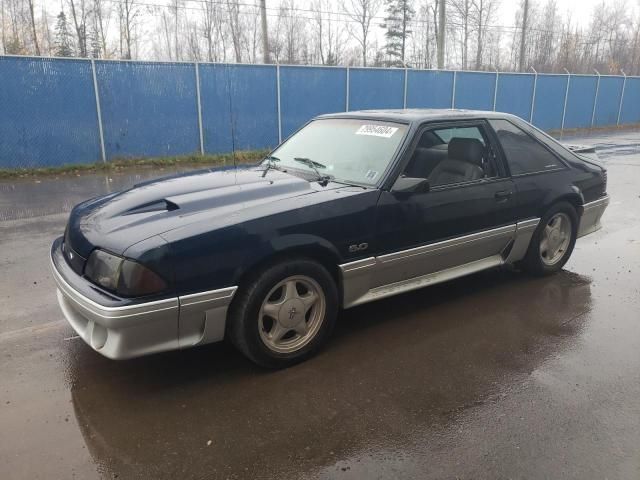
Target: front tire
x,y
553,241
284,313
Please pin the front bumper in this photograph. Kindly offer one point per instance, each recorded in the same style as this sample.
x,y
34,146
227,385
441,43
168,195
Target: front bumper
x,y
133,330
591,214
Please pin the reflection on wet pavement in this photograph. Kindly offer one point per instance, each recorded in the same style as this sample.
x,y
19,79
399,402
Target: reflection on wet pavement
x,y
422,362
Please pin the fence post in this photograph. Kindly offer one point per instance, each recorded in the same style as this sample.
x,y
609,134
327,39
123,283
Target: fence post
x,y
98,110
346,100
201,133
495,90
533,94
566,96
404,95
453,91
595,100
278,96
624,84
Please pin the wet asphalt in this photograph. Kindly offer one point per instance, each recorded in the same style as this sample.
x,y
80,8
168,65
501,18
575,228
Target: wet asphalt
x,y
497,375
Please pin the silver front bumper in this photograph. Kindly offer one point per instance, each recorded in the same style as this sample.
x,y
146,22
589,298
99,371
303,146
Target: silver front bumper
x,y
591,214
145,328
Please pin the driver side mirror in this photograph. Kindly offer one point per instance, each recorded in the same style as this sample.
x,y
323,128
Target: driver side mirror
x,y
407,186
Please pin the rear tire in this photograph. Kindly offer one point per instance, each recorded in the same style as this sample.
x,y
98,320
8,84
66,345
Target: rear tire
x,y
284,313
553,240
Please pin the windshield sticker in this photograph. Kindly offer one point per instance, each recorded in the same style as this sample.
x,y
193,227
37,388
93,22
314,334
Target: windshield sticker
x,y
377,131
371,174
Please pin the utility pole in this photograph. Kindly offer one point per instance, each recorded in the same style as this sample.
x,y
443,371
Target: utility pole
x,y
265,32
525,15
441,33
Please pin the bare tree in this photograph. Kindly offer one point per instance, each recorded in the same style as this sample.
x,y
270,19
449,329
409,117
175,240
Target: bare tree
x,y
461,13
233,12
361,14
79,14
101,19
32,17
128,16
483,13
290,38
212,30
523,34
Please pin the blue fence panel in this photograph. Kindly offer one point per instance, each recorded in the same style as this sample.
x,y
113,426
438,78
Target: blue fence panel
x,y
515,92
239,107
475,90
375,88
148,109
582,94
309,91
608,101
47,113
631,102
429,89
547,111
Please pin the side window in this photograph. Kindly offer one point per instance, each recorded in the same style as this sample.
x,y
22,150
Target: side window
x,y
451,155
524,154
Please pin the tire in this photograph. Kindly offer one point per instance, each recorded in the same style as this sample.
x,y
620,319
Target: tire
x,y
274,320
540,258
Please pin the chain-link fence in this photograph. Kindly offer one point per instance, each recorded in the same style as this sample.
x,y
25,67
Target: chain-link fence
x,y
60,111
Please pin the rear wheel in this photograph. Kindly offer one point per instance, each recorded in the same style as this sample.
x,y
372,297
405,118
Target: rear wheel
x,y
553,241
285,313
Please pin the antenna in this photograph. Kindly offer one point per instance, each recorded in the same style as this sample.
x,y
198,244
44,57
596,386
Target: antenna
x,y
233,123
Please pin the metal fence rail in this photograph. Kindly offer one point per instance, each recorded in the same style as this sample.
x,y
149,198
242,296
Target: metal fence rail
x,y
61,111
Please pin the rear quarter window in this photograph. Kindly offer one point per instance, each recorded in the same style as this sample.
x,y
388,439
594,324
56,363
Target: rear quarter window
x,y
524,154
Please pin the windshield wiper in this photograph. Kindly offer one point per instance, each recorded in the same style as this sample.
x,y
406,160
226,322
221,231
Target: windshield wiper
x,y
322,179
271,160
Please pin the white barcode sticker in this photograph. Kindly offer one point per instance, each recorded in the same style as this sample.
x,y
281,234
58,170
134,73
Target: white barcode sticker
x,y
377,131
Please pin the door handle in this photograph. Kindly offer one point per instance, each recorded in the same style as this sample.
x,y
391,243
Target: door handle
x,y
503,195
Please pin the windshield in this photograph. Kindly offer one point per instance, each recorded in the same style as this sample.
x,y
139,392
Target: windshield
x,y
357,151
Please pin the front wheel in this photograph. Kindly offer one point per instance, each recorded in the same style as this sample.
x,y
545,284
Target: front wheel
x,y
553,240
285,313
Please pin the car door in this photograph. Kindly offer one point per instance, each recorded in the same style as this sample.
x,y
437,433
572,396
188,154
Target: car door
x,y
466,217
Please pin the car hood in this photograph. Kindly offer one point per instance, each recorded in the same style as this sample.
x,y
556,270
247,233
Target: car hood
x,y
119,220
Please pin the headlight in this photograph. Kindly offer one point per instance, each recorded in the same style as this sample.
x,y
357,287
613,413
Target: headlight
x,y
122,276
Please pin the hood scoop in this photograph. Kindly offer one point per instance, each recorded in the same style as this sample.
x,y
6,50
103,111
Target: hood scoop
x,y
155,206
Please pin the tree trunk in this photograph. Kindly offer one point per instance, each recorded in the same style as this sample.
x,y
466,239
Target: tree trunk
x,y
266,55
525,14
441,33
33,28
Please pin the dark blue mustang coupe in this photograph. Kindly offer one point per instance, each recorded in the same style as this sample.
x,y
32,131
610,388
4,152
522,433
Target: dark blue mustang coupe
x,y
352,208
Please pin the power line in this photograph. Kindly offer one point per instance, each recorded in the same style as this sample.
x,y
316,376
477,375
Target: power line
x,y
281,14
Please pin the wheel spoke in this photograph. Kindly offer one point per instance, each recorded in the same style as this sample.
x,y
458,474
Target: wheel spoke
x,y
277,332
271,310
548,230
302,328
290,290
309,300
544,246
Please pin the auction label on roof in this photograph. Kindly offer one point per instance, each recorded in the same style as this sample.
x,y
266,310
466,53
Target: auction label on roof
x,y
377,131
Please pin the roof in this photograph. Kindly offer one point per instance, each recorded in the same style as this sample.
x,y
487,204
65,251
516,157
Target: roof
x,y
416,115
